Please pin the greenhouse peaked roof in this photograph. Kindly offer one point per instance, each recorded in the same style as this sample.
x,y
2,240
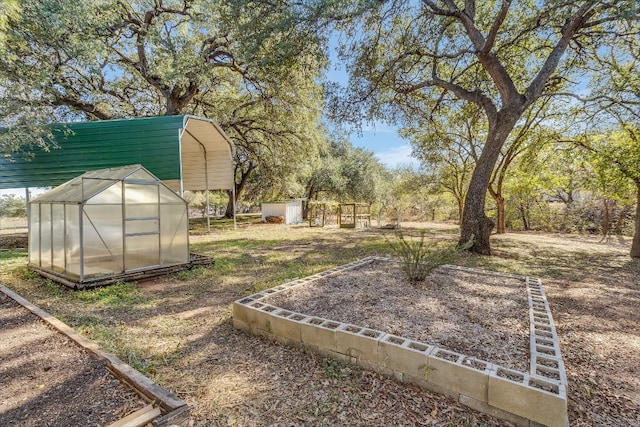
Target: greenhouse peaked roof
x,y
87,185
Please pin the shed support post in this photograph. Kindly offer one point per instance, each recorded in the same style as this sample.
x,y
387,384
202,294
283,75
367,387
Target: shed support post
x,y
206,194
206,185
233,191
26,198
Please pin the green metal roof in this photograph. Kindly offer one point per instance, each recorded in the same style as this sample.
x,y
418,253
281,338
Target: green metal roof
x,y
173,148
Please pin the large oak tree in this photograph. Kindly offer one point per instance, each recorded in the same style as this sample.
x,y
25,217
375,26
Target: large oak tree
x,y
246,64
502,56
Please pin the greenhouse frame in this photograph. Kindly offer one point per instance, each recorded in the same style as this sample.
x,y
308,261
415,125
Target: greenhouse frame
x,y
108,225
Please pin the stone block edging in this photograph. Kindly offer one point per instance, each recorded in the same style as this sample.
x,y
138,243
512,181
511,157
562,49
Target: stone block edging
x,y
534,398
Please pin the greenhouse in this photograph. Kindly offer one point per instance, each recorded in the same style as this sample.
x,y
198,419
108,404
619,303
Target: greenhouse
x,y
108,225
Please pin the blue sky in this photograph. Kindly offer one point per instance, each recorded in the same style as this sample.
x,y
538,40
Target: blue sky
x,y
384,141
378,137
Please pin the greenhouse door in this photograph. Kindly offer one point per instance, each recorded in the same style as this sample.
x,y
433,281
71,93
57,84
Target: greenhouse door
x,y
142,226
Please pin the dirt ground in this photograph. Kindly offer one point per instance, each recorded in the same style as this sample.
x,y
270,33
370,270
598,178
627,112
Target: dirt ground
x,y
47,380
178,330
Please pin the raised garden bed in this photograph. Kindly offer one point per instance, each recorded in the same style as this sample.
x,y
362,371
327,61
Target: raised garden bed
x,y
507,364
70,384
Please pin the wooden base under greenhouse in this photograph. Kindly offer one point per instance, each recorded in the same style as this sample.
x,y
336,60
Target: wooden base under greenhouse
x,y
194,260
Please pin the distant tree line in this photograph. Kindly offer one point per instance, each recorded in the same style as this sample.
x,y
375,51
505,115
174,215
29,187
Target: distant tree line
x,y
12,206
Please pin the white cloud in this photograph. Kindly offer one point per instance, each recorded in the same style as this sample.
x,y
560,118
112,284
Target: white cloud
x,y
398,156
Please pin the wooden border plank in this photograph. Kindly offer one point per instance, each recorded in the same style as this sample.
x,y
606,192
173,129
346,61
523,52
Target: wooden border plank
x,y
138,418
143,385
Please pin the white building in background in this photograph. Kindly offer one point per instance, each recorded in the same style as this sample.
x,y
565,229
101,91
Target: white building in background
x,y
290,210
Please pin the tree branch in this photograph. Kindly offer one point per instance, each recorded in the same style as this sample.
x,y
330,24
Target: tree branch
x,y
495,27
477,97
569,30
86,107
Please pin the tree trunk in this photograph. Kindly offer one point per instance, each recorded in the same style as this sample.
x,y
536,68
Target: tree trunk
x,y
499,199
475,224
501,229
460,210
305,204
230,205
622,215
244,175
523,216
607,218
635,245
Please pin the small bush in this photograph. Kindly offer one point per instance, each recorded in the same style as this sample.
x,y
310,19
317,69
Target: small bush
x,y
419,257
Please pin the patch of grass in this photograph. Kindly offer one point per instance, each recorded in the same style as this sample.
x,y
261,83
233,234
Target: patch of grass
x,y
199,225
335,369
137,362
16,268
13,254
110,338
114,296
197,272
93,328
237,246
52,288
35,282
554,273
278,273
587,391
494,263
27,273
81,319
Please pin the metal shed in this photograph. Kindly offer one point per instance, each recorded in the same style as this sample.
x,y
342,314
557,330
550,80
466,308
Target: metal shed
x,y
105,225
185,152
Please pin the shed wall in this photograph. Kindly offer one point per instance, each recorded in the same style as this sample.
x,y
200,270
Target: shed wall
x,y
290,211
294,213
273,209
173,148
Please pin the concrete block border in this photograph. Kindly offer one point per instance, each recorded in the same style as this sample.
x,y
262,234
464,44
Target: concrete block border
x,y
534,398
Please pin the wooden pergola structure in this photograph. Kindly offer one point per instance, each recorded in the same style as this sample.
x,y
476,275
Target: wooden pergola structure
x,y
354,215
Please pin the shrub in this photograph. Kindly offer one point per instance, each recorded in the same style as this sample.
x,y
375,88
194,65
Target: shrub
x,y
419,257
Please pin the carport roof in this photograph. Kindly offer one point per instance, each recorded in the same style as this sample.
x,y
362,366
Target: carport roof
x,y
186,152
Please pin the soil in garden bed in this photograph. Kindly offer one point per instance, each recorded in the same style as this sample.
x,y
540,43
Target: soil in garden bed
x,y
479,315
